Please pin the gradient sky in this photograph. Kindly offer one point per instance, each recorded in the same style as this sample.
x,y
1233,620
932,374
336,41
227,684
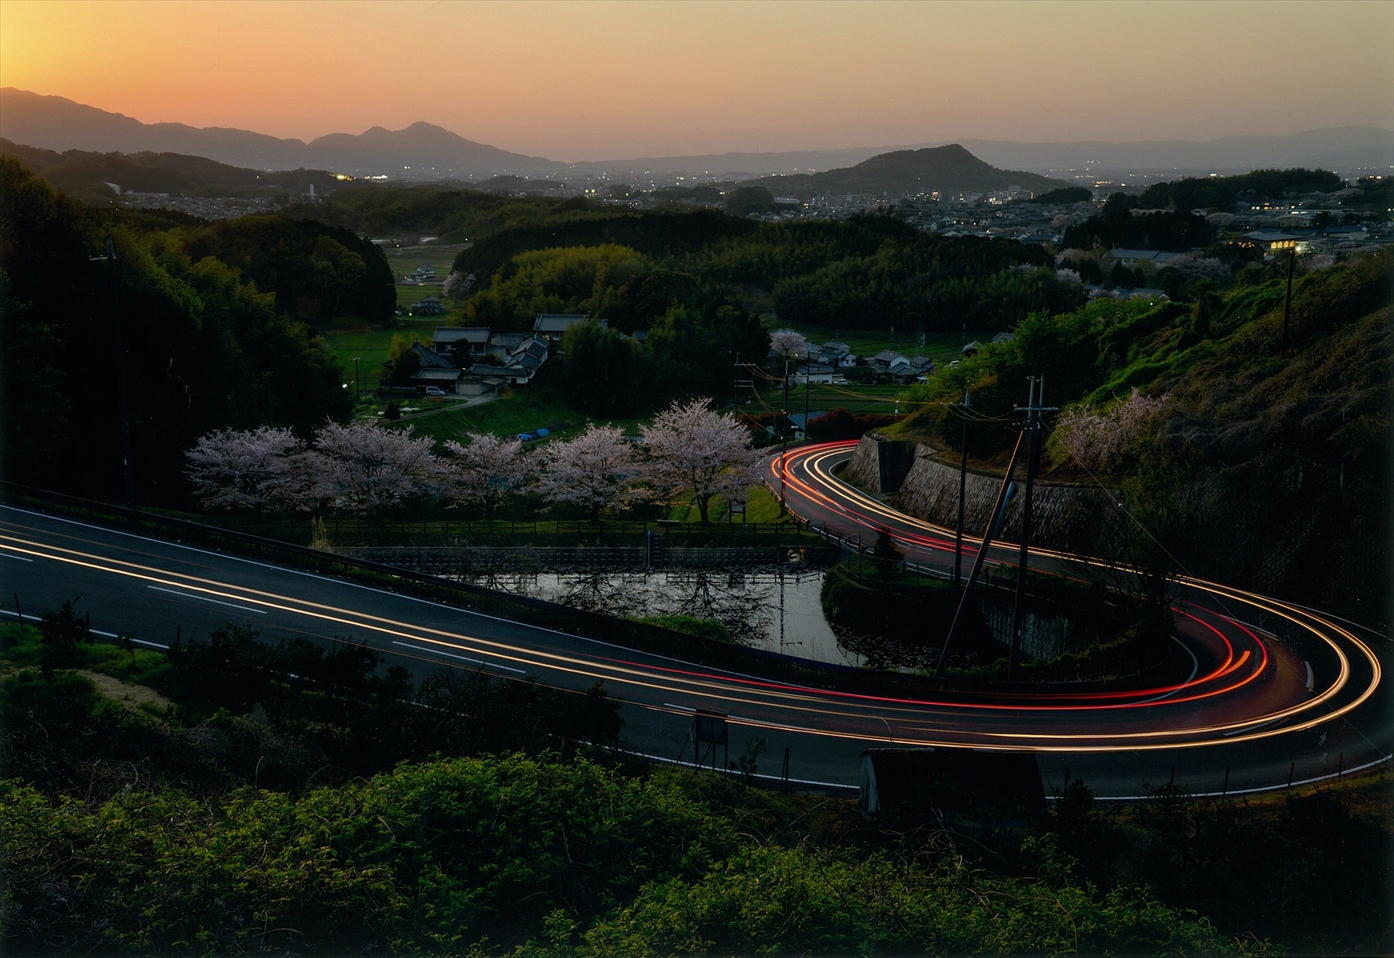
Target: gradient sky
x,y
595,80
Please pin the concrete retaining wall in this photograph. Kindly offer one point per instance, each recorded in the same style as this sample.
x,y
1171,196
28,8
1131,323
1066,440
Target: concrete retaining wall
x,y
1069,517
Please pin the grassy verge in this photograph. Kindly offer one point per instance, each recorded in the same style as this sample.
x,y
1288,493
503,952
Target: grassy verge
x,y
19,647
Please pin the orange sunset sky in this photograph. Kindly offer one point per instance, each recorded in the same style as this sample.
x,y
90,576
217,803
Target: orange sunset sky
x,y
591,80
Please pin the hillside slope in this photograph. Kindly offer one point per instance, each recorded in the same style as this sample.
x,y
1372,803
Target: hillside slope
x,y
1290,451
945,169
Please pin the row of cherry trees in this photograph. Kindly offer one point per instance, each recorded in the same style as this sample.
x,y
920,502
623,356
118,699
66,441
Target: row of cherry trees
x,y
689,450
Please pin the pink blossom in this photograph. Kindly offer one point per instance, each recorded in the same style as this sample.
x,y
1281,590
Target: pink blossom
x,y
692,448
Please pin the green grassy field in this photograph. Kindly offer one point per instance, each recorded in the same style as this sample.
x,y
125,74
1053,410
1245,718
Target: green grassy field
x,y
523,411
823,397
404,259
940,347
370,344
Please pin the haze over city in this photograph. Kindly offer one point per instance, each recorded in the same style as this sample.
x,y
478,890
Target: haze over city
x,y
585,81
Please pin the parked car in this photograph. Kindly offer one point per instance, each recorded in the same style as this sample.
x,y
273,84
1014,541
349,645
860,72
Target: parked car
x,y
435,391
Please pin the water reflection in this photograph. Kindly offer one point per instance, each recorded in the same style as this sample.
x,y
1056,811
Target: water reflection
x,y
776,610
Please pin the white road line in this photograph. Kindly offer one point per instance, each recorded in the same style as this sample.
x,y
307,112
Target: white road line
x,y
6,555
367,588
1250,728
107,635
451,655
1195,669
204,598
1330,776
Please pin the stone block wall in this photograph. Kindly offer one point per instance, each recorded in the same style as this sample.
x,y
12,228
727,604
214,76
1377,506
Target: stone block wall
x,y
1069,517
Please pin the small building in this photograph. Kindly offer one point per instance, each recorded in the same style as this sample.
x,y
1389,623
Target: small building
x,y
474,384
1273,242
430,306
521,365
815,373
885,360
466,344
1134,256
835,354
552,326
503,345
435,370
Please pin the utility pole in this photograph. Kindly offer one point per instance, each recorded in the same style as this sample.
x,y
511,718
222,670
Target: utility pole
x,y
1287,302
988,536
783,434
123,398
807,389
962,486
1031,429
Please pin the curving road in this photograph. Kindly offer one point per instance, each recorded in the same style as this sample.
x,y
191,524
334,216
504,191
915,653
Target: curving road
x,y
1279,693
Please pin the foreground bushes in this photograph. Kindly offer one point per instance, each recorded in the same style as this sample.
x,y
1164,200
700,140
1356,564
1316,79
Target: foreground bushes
x,y
487,853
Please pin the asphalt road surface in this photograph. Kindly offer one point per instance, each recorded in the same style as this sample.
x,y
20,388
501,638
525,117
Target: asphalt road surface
x,y
1278,693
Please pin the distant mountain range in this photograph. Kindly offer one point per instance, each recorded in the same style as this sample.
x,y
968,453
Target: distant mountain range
x,y
423,151
90,175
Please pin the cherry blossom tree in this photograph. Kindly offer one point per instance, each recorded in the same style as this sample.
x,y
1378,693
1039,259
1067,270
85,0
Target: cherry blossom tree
x,y
247,469
484,469
598,469
1098,440
364,467
458,285
693,449
789,344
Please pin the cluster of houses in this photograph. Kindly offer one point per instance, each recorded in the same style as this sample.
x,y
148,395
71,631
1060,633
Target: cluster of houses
x,y
829,362
478,361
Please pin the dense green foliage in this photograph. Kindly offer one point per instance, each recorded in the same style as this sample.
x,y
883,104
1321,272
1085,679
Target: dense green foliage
x,y
1117,225
1066,194
200,347
483,854
317,273
870,271
1258,450
655,235
1312,873
278,715
841,424
1222,192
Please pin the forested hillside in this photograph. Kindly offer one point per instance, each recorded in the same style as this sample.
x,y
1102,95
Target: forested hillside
x,y
181,329
1267,459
